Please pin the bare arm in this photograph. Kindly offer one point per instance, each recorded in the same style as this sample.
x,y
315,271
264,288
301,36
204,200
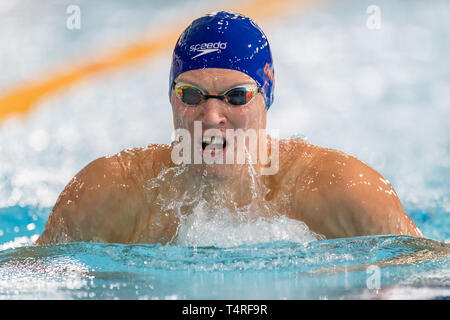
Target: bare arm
x,y
347,198
94,206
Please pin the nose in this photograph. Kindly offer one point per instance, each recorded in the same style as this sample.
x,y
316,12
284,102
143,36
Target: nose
x,y
213,113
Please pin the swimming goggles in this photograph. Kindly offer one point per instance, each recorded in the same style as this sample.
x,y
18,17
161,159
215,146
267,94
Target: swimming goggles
x,y
237,96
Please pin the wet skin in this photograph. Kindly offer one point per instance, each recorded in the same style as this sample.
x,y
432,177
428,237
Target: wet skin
x,y
335,194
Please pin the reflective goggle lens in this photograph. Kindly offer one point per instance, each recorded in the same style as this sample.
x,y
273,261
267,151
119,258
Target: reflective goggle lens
x,y
238,96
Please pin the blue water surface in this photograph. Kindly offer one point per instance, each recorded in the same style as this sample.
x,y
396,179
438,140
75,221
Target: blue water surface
x,y
345,268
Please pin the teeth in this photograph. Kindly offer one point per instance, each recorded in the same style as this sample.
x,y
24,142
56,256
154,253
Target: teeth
x,y
217,140
213,140
207,140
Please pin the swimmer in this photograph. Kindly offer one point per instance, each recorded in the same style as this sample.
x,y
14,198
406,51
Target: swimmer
x,y
222,81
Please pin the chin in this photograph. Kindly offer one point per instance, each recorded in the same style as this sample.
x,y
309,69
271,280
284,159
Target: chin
x,y
217,171
221,172
214,164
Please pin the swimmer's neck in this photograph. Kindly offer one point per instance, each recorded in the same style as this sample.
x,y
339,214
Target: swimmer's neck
x,y
242,189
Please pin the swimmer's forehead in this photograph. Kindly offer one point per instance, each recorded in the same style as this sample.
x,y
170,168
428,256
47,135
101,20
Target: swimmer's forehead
x,y
215,79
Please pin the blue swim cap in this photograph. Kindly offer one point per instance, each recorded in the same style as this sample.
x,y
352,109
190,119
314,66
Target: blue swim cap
x,y
229,41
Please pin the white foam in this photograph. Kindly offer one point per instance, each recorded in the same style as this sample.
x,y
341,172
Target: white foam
x,y
226,229
19,242
210,214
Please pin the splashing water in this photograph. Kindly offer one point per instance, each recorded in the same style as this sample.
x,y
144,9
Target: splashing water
x,y
207,218
224,229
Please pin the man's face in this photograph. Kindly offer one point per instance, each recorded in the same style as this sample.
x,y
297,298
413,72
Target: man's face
x,y
218,115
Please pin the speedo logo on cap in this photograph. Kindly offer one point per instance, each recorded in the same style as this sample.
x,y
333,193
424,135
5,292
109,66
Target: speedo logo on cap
x,y
205,48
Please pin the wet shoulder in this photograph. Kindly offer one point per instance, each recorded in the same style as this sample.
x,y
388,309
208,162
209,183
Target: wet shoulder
x,y
295,155
301,160
331,169
143,163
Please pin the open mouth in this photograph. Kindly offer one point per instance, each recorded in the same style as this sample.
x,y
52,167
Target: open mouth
x,y
216,142
213,146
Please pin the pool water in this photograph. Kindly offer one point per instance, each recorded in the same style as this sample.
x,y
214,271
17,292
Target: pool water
x,y
353,268
371,267
380,95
